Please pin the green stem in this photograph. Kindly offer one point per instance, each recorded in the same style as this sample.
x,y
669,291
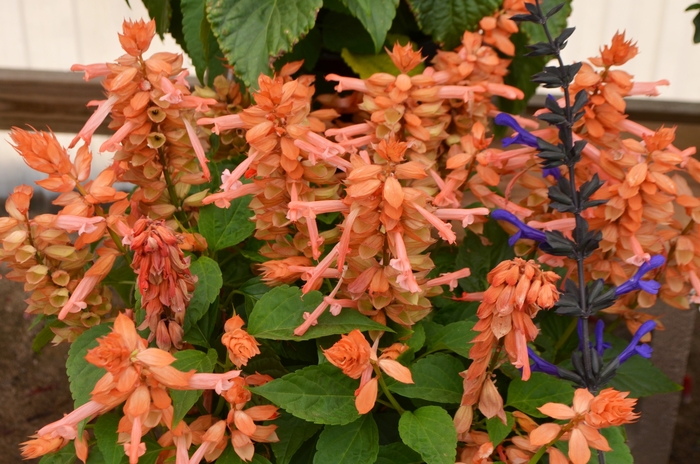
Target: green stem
x,y
386,391
565,336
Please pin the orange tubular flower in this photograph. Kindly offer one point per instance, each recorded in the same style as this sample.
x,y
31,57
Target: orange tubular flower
x,y
587,415
357,359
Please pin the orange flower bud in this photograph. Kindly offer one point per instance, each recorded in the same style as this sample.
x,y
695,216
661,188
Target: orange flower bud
x,y
350,354
240,344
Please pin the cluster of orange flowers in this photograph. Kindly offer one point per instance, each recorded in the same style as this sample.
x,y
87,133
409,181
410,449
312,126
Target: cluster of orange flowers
x,y
587,415
137,377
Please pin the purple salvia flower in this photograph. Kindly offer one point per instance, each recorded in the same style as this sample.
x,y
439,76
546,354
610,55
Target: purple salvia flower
x,y
540,365
599,346
633,348
524,231
523,137
636,282
554,172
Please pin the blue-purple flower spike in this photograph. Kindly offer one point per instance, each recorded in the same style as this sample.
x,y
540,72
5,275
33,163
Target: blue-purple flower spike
x,y
636,282
633,348
524,231
540,365
523,137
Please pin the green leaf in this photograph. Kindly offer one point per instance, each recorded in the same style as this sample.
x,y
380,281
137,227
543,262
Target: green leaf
x,y
253,290
65,455
397,453
267,362
436,379
206,290
641,378
44,336
251,31
620,453
225,227
334,37
429,431
292,433
161,11
307,49
366,65
106,436
482,257
202,47
376,16
81,374
186,360
446,20
319,394
281,310
122,279
696,23
455,337
499,431
354,443
540,389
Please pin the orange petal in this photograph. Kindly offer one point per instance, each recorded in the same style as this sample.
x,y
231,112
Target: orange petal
x,y
557,411
244,423
594,438
556,456
393,193
155,357
366,397
544,434
395,370
126,328
582,399
579,452
139,402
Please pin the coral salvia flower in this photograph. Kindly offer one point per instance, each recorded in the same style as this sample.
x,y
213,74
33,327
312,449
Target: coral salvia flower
x,y
523,136
357,359
586,416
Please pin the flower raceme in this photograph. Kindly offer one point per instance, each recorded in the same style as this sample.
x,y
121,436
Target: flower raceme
x,y
357,359
164,279
586,417
518,290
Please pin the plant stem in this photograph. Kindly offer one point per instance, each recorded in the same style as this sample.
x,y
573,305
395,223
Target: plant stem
x,y
174,200
566,136
386,391
601,457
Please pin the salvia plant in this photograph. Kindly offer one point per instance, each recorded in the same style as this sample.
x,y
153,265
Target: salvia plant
x,y
365,276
